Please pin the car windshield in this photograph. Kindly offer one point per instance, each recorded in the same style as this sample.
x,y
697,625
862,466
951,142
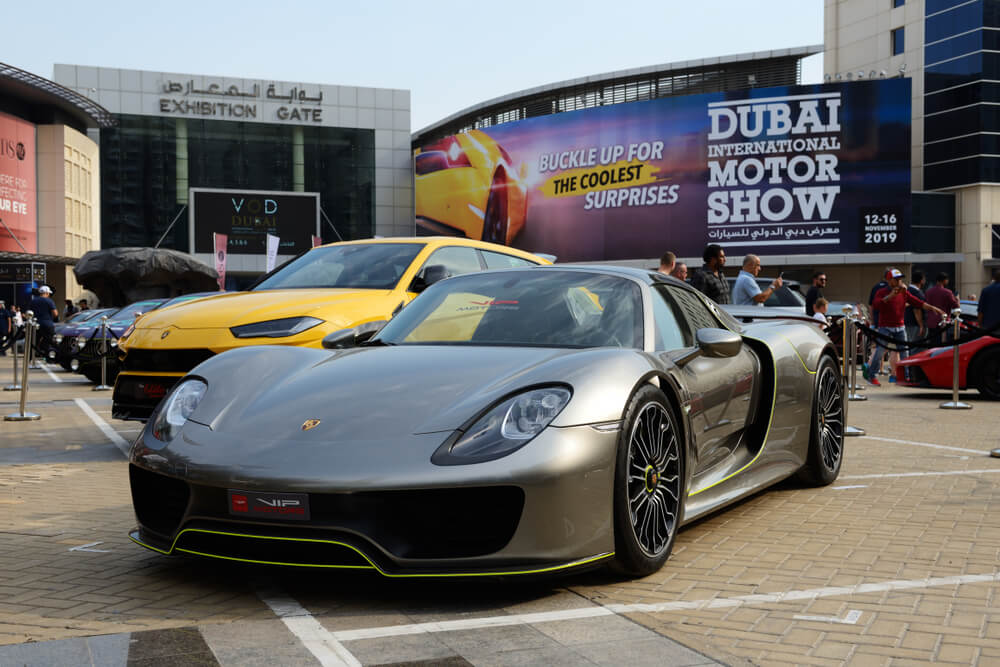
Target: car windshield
x,y
128,313
359,266
547,308
785,296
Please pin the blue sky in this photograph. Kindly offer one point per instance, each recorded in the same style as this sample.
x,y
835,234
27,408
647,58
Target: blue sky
x,y
449,54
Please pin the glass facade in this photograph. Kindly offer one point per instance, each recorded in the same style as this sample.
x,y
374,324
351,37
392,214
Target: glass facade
x,y
961,92
149,162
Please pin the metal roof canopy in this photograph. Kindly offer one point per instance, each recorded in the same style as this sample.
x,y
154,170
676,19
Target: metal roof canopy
x,y
33,89
7,256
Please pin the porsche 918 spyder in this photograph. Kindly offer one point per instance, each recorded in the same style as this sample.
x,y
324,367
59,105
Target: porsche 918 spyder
x,y
523,421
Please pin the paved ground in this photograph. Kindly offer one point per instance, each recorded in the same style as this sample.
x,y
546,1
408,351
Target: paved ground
x,y
896,563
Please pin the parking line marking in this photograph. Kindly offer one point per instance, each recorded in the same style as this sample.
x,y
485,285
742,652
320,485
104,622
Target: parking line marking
x,y
45,367
852,486
711,603
321,642
920,474
118,441
923,444
851,619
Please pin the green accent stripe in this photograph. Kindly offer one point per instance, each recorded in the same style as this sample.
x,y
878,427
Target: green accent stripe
x,y
370,566
770,420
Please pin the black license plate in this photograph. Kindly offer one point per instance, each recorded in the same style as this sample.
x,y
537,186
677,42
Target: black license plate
x,y
265,505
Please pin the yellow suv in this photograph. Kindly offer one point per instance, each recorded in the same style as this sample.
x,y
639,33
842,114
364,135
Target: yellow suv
x,y
327,289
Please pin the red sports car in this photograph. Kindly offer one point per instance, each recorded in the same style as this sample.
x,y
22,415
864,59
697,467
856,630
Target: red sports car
x,y
978,366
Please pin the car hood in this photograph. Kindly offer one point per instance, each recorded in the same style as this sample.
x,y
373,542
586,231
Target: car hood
x,y
236,308
269,392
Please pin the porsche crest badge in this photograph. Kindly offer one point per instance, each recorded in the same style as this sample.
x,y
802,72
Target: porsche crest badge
x,y
310,424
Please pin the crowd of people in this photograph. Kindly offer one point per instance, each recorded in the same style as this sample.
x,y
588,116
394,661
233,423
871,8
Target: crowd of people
x,y
43,308
901,312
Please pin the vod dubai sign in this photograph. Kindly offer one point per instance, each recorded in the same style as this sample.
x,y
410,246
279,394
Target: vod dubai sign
x,y
247,218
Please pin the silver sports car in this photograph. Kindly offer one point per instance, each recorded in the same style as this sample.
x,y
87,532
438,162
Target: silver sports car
x,y
506,422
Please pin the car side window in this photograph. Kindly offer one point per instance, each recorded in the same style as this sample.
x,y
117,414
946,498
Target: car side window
x,y
670,333
498,260
696,313
456,259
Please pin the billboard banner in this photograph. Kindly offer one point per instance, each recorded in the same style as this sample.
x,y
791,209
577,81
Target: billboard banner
x,y
787,170
19,231
248,217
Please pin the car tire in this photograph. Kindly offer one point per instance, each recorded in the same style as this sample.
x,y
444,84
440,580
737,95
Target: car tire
x,y
987,365
495,218
826,432
649,484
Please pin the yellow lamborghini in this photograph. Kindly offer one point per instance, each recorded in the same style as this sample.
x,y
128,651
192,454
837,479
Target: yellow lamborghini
x,y
329,289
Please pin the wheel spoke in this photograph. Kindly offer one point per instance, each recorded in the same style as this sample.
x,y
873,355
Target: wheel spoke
x,y
654,505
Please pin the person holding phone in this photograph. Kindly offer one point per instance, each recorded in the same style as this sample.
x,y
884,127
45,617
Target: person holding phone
x,y
746,291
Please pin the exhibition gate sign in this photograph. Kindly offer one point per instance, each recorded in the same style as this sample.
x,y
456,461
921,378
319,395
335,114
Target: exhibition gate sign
x,y
786,170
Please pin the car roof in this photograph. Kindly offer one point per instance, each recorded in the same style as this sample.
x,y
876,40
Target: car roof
x,y
436,241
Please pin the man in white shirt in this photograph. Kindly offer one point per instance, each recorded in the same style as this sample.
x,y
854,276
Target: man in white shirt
x,y
746,291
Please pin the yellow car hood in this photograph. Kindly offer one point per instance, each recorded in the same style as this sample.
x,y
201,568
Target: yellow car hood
x,y
237,308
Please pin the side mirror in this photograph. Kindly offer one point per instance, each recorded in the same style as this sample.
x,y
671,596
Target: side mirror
x,y
431,274
714,343
345,338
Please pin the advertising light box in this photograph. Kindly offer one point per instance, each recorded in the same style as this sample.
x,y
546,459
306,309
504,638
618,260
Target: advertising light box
x,y
17,186
247,217
786,170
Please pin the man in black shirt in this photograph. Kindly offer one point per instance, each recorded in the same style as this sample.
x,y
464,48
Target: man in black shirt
x,y
709,279
46,315
815,292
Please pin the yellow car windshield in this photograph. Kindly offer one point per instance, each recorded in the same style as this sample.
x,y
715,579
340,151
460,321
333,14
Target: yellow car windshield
x,y
360,266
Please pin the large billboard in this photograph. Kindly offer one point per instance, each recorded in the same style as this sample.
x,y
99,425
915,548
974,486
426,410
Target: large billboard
x,y
786,170
17,186
247,217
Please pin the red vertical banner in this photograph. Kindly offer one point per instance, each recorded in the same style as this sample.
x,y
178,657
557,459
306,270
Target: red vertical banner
x,y
19,231
220,258
317,240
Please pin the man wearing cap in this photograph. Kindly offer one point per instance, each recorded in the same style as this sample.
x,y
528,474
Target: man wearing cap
x,y
46,315
889,304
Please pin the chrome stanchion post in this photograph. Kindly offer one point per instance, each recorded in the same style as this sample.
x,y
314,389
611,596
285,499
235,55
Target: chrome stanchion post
x,y
104,356
954,403
22,416
853,328
16,386
29,347
849,367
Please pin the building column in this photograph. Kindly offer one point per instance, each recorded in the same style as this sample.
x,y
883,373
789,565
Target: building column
x,y
181,161
298,160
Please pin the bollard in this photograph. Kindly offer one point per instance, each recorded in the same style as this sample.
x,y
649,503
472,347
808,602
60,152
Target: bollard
x,y
954,403
29,339
104,356
848,368
853,395
29,348
16,385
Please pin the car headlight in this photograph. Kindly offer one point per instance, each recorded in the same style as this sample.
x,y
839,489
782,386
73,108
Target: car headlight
x,y
177,407
505,428
57,339
80,342
288,326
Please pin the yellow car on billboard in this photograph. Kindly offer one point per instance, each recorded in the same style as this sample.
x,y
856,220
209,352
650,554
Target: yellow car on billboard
x,y
467,185
327,289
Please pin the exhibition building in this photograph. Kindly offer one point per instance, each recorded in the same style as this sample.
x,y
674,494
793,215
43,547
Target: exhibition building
x,y
892,159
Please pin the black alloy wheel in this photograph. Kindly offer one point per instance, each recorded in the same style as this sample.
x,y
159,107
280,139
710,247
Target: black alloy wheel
x,y
987,364
649,484
826,436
